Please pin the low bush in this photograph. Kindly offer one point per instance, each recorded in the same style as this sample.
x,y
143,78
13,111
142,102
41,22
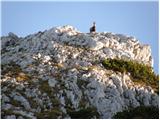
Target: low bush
x,y
140,112
139,72
85,113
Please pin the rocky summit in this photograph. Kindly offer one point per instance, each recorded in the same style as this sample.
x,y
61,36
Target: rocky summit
x,y
58,73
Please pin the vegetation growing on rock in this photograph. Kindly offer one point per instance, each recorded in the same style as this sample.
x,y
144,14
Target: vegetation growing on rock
x,y
58,74
141,112
14,70
49,114
85,113
139,72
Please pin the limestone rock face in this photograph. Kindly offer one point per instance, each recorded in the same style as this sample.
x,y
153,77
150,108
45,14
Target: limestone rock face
x,y
47,73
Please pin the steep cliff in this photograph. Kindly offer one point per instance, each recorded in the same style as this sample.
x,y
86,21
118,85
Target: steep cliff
x,y
59,73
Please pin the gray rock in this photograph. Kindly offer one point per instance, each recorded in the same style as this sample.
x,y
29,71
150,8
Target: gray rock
x,y
70,61
6,106
12,35
5,98
10,117
52,82
23,101
118,83
130,95
155,100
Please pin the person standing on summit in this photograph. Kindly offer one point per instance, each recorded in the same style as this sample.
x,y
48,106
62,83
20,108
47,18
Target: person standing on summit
x,y
93,28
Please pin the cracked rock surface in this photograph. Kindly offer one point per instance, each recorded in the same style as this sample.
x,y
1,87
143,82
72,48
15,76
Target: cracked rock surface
x,y
50,73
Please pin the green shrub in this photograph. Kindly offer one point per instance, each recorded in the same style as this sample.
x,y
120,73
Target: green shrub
x,y
139,72
140,112
85,113
12,69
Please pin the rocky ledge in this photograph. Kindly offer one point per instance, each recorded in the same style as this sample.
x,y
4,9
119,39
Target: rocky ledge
x,y
58,73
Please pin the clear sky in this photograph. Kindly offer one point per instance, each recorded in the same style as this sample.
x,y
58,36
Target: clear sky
x,y
139,19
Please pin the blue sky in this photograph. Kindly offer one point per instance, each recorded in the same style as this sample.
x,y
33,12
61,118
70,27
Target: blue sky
x,y
139,19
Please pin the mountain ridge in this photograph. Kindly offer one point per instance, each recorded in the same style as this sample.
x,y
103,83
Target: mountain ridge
x,y
58,72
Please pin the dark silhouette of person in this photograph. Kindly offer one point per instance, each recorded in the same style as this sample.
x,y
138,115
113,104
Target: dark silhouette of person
x,y
93,28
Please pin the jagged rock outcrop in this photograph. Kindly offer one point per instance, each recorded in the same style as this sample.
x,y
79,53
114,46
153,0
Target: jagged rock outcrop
x,y
50,74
